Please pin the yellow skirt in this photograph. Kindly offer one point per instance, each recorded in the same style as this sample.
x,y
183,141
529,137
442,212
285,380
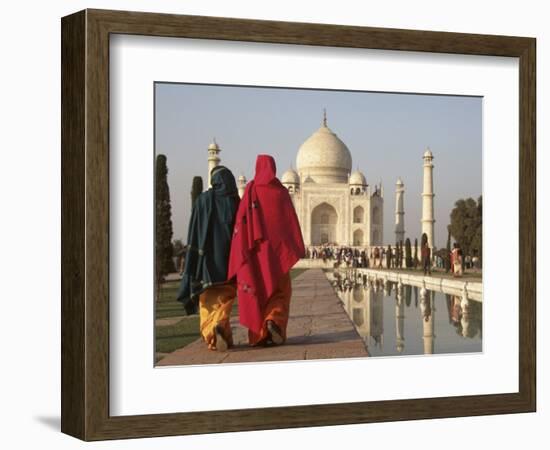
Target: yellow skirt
x,y
277,310
215,305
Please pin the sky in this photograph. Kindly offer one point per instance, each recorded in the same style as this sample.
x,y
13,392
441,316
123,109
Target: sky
x,y
386,133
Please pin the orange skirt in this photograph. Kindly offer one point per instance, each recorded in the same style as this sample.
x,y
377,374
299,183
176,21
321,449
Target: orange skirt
x,y
215,305
276,309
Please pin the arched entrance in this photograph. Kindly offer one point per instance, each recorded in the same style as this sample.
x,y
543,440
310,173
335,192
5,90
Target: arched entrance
x,y
324,220
358,214
358,238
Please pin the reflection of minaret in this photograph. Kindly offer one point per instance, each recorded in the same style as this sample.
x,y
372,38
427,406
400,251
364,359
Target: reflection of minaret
x,y
241,184
399,211
428,311
399,320
376,317
428,198
213,158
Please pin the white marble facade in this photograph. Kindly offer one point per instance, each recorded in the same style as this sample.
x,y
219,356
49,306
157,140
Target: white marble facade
x,y
334,205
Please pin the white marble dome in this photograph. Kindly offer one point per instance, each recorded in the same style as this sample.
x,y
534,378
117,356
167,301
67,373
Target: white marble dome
x,y
358,178
213,146
428,153
290,177
324,157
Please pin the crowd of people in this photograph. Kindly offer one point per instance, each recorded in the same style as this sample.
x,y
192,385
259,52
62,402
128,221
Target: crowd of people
x,y
356,257
378,257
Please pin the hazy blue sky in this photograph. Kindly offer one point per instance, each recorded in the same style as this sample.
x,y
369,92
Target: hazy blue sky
x,y
386,134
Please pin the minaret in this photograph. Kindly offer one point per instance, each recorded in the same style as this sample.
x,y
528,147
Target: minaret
x,y
241,184
428,198
213,158
399,211
428,310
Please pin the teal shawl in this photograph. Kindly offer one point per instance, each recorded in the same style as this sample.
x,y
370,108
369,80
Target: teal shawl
x,y
209,238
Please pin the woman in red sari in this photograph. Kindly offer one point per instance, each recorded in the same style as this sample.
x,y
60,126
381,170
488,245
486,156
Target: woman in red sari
x,y
267,242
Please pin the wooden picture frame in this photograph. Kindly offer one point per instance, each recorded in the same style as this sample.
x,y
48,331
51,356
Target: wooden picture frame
x,y
85,224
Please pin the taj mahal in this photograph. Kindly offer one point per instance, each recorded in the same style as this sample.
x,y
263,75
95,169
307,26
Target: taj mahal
x,y
336,205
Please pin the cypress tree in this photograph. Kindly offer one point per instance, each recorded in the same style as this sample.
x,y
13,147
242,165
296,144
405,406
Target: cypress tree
x,y
196,189
164,262
408,254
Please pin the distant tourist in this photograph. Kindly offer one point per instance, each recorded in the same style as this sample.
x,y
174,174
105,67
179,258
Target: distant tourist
x,y
456,260
426,255
203,285
475,262
267,242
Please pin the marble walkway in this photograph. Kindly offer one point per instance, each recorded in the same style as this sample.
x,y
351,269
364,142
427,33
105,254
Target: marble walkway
x,y
318,328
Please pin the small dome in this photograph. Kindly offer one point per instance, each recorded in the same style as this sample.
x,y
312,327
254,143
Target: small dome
x,y
399,182
428,153
242,178
357,178
213,146
290,177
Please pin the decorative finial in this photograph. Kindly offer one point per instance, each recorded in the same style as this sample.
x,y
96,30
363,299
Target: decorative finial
x,y
324,117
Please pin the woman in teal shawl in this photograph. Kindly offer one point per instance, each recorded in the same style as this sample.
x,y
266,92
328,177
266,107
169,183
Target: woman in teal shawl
x,y
204,285
204,281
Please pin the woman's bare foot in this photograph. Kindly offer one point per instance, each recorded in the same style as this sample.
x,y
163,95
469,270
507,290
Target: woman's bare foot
x,y
221,342
274,332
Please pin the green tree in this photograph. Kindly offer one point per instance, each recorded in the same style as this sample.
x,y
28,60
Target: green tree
x,y
196,189
164,262
408,254
477,244
466,225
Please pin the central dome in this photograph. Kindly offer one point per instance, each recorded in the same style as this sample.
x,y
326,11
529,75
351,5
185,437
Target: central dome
x,y
324,158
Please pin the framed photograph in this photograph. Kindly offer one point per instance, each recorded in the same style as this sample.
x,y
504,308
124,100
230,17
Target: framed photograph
x,y
274,225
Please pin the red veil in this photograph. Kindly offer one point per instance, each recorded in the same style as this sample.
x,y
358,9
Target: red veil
x,y
267,242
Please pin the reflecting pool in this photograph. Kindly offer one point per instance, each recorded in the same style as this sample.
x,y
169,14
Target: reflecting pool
x,y
398,319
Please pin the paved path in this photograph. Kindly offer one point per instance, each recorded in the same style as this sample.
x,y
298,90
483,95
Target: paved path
x,y
318,328
165,321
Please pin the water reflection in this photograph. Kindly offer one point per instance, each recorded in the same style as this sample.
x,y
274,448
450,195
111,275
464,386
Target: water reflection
x,y
412,327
